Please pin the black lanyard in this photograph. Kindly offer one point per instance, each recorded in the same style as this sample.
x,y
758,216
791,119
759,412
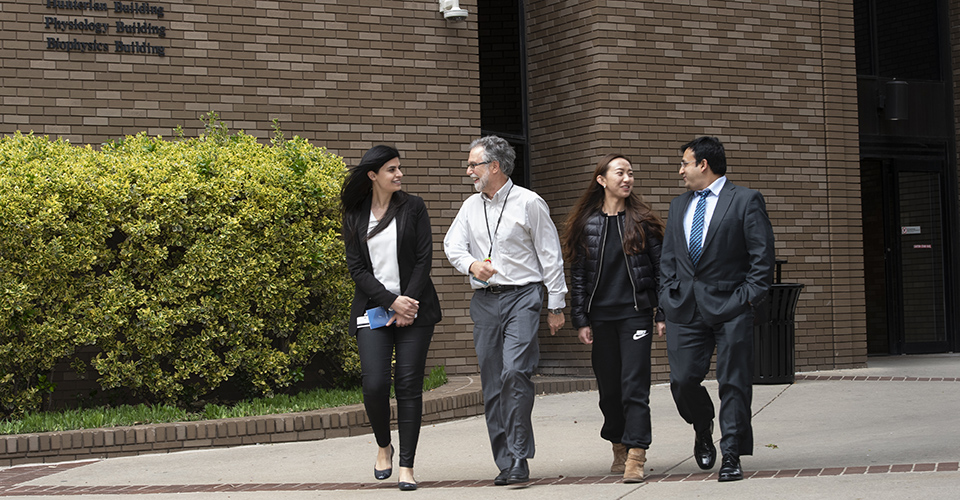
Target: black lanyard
x,y
487,220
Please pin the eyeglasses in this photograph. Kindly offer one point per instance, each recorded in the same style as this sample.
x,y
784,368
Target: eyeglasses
x,y
475,165
683,164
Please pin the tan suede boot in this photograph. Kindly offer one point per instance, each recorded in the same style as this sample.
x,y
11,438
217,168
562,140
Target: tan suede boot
x,y
619,458
633,469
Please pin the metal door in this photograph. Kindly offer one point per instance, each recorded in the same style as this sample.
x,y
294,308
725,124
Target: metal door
x,y
906,300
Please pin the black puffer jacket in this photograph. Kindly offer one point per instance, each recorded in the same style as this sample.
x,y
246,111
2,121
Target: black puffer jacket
x,y
644,269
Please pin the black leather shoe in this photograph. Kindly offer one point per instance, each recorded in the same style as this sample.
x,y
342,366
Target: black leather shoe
x,y
380,475
704,451
501,479
405,486
730,469
519,471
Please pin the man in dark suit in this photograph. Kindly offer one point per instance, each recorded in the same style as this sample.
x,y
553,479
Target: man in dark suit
x,y
716,265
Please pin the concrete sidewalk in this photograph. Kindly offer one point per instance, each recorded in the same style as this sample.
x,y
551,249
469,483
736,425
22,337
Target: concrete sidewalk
x,y
886,431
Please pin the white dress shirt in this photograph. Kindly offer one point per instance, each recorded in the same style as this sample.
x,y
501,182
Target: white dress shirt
x,y
526,246
708,215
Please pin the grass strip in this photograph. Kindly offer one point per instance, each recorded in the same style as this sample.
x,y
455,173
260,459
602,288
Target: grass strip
x,y
124,415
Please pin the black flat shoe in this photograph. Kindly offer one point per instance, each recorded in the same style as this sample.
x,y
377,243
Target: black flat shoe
x,y
704,451
730,469
380,475
519,471
405,486
501,479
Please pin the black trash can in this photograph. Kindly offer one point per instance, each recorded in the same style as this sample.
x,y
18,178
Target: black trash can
x,y
773,333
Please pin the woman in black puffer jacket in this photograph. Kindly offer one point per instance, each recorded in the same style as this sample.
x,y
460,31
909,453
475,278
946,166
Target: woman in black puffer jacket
x,y
612,240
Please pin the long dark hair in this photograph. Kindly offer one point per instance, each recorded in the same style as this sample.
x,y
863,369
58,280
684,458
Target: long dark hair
x,y
639,215
358,187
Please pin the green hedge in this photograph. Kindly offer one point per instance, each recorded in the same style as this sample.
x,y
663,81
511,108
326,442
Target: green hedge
x,y
186,263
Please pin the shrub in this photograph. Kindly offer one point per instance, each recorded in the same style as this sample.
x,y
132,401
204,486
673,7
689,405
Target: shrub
x,y
186,263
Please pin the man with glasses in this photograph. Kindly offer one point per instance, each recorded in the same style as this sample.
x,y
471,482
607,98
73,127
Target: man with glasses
x,y
504,239
716,264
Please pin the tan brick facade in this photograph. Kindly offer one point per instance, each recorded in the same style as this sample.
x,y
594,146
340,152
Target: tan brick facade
x,y
776,82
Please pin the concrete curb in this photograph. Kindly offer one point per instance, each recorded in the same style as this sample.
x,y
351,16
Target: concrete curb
x,y
460,397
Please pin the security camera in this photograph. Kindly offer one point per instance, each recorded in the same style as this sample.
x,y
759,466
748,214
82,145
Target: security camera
x,y
452,11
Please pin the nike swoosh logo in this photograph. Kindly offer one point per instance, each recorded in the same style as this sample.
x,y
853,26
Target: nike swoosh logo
x,y
639,335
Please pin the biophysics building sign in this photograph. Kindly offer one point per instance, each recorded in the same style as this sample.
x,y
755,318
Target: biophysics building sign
x,y
86,27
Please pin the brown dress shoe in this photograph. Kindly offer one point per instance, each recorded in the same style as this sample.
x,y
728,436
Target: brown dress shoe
x,y
619,458
633,469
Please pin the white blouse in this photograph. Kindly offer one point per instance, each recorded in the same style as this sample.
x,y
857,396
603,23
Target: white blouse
x,y
383,254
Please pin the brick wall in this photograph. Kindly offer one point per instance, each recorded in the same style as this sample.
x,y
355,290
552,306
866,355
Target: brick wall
x,y
344,74
775,82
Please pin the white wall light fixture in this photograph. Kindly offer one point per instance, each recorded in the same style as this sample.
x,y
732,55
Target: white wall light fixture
x,y
452,11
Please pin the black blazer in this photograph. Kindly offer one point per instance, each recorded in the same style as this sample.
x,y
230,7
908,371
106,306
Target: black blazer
x,y
736,268
414,255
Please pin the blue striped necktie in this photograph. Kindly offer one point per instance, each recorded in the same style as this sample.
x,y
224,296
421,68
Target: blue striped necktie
x,y
696,229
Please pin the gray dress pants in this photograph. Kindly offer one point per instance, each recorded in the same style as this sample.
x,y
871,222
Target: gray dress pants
x,y
505,337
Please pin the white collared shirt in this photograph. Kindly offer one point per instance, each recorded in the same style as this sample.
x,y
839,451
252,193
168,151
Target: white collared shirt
x,y
712,198
526,246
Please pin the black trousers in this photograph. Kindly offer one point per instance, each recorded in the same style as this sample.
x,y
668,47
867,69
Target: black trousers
x,y
689,348
376,353
621,363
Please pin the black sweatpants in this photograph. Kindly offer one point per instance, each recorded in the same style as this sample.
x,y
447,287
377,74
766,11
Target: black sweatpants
x,y
621,363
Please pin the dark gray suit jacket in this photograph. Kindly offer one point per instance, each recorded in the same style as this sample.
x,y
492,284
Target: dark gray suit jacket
x,y
736,268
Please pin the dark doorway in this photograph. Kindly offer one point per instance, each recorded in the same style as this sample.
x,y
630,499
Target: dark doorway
x,y
503,78
904,255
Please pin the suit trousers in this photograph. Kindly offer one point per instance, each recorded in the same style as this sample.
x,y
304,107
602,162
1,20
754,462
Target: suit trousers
x,y
376,352
505,336
621,363
689,348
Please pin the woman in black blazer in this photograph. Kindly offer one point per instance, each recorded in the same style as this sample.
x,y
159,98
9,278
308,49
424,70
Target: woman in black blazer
x,y
389,248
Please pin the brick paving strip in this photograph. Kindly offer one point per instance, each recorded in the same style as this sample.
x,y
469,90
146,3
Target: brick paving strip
x,y
874,378
11,480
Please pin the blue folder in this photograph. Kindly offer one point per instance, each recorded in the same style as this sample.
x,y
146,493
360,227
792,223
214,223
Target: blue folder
x,y
378,317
